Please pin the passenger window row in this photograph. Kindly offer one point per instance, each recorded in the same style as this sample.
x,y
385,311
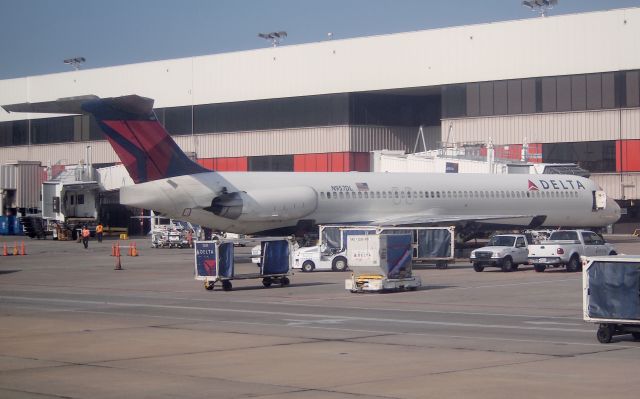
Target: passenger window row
x,y
489,194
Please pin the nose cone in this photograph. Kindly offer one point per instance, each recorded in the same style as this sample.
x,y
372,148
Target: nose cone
x,y
613,211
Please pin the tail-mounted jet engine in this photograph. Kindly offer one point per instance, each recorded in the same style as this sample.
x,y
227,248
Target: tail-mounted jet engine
x,y
265,204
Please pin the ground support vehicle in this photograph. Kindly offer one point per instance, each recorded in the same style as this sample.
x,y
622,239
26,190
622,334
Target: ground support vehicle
x,y
380,262
313,258
430,245
565,247
176,234
611,295
505,251
215,262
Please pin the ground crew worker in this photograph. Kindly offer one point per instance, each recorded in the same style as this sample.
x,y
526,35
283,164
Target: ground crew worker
x,y
99,229
85,237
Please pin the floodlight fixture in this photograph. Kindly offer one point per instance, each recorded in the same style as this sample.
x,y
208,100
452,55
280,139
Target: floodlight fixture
x,y
75,62
274,37
541,6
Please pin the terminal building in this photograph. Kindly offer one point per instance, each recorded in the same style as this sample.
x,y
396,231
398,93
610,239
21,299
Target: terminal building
x,y
568,86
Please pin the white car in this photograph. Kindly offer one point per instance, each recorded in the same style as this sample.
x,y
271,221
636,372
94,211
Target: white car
x,y
314,258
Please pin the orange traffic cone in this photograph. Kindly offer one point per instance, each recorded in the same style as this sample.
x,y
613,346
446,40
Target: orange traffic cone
x,y
23,252
134,250
15,249
129,252
4,250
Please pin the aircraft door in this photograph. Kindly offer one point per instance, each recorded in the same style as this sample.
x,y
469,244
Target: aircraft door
x,y
599,200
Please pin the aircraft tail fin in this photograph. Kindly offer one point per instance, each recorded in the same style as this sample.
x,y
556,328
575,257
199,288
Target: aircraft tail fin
x,y
143,145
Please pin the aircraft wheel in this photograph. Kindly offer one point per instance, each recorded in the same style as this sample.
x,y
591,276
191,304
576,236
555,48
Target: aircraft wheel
x,y
308,266
267,282
507,265
605,333
478,267
226,285
339,264
539,268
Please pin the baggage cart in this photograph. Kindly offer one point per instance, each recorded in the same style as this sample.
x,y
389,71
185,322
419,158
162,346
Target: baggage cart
x,y
611,295
215,262
380,262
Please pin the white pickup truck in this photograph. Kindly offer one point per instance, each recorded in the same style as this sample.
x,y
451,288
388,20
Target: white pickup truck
x,y
565,247
505,251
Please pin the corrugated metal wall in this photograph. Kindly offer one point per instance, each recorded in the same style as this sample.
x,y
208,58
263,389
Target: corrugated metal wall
x,y
369,138
619,186
547,128
29,185
331,139
63,153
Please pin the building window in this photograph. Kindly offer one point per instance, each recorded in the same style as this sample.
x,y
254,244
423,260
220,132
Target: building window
x,y
278,163
594,156
563,94
578,93
14,133
486,98
633,88
530,97
594,91
454,101
500,99
548,97
608,90
473,99
514,96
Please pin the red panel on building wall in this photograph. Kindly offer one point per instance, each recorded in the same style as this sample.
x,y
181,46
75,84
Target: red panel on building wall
x,y
336,162
627,159
225,164
514,151
360,162
299,163
322,162
206,162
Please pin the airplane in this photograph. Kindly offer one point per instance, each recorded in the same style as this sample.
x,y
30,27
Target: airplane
x,y
171,184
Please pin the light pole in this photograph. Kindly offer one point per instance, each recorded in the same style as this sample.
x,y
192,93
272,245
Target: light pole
x,y
75,62
541,6
274,37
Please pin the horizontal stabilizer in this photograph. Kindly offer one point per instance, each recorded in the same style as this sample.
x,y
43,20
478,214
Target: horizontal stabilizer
x,y
69,105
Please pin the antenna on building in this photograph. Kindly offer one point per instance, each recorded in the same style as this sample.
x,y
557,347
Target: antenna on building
x,y
274,37
541,6
75,62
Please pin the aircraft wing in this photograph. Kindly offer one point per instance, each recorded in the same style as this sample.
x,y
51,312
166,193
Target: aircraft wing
x,y
422,219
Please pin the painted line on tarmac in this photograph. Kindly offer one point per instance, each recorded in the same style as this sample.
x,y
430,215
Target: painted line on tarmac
x,y
285,315
356,330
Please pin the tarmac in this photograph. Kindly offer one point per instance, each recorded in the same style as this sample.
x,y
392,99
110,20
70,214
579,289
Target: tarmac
x,y
73,327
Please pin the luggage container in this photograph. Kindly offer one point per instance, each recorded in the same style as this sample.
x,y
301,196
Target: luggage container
x,y
430,245
380,262
215,262
611,295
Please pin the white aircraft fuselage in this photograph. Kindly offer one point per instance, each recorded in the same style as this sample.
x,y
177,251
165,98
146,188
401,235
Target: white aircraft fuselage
x,y
252,202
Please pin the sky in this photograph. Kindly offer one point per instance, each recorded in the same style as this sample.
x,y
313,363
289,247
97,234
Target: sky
x,y
37,35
